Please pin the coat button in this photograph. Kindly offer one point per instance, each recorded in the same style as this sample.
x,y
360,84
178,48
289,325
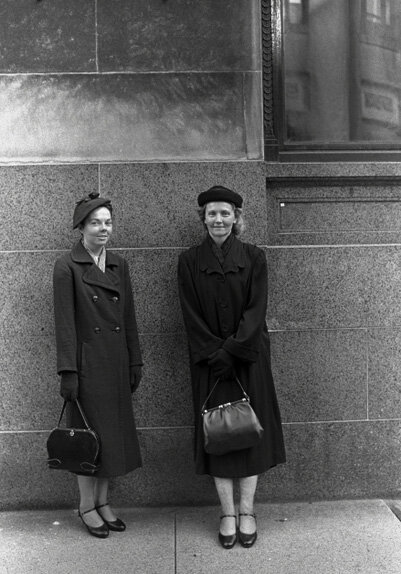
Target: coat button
x,y
115,299
95,298
117,329
97,330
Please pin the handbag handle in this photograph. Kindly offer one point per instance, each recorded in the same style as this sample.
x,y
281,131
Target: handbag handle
x,y
214,386
81,413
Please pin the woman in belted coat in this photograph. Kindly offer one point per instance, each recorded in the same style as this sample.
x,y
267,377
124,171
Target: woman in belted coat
x,y
223,294
98,354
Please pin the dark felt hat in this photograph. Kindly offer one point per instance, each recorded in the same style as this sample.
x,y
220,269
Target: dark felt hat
x,y
88,204
219,193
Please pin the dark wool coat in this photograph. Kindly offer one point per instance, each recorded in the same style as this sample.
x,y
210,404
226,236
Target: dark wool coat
x,y
96,335
225,306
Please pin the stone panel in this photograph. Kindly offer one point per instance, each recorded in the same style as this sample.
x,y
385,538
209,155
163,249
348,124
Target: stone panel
x,y
54,36
155,204
29,385
26,309
334,287
146,36
167,476
154,279
122,117
384,373
336,460
320,375
164,397
305,208
37,204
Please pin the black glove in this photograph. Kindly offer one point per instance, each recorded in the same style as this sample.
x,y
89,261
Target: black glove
x,y
69,385
135,376
221,363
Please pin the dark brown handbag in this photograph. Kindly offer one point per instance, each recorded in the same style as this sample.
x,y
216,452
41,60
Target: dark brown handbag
x,y
73,449
230,426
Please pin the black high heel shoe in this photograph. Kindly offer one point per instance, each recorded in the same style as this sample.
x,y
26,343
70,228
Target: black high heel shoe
x,y
247,540
229,541
117,525
98,531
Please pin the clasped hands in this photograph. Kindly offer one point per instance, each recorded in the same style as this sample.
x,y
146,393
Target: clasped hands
x,y
221,363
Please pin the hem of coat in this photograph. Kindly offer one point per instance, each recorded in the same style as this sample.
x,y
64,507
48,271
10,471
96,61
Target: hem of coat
x,y
100,474
241,475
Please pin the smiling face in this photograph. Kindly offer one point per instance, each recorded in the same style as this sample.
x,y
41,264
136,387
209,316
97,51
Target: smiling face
x,y
219,220
97,229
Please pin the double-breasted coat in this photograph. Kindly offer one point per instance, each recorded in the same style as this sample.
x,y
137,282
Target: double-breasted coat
x,y
224,305
96,336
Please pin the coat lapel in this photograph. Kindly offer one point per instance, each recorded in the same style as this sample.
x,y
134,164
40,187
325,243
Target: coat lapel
x,y
92,275
235,258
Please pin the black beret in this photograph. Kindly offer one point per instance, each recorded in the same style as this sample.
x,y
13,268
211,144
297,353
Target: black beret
x,y
219,193
86,205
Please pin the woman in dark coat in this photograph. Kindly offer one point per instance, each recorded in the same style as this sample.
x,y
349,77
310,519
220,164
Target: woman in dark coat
x,y
223,295
98,354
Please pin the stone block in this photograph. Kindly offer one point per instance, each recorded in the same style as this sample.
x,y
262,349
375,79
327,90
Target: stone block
x,y
384,373
167,476
29,384
135,117
334,287
164,397
54,36
154,280
320,375
336,460
155,204
144,36
38,203
315,206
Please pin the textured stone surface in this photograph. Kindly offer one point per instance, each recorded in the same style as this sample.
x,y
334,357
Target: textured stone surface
x,y
167,475
334,287
54,36
331,537
337,460
124,117
155,204
320,375
146,36
384,373
325,460
57,542
164,398
37,204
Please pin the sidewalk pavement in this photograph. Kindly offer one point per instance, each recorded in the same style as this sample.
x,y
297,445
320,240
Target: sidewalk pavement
x,y
341,537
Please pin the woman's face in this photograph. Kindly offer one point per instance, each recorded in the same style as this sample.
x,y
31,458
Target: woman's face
x,y
97,228
219,220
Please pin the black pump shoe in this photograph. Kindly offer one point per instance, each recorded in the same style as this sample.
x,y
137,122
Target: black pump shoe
x,y
229,541
98,531
247,540
116,525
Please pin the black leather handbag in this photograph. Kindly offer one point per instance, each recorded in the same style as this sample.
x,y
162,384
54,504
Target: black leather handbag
x,y
230,426
73,449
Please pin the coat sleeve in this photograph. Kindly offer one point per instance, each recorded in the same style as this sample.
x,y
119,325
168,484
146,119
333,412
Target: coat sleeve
x,y
202,342
131,328
245,343
64,317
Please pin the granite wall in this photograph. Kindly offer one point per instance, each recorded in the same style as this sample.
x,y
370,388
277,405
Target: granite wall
x,y
89,91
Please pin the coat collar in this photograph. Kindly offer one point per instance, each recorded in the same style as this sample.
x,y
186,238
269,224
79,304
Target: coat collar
x,y
234,260
93,275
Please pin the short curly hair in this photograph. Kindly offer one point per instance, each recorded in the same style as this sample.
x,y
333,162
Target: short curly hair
x,y
238,226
